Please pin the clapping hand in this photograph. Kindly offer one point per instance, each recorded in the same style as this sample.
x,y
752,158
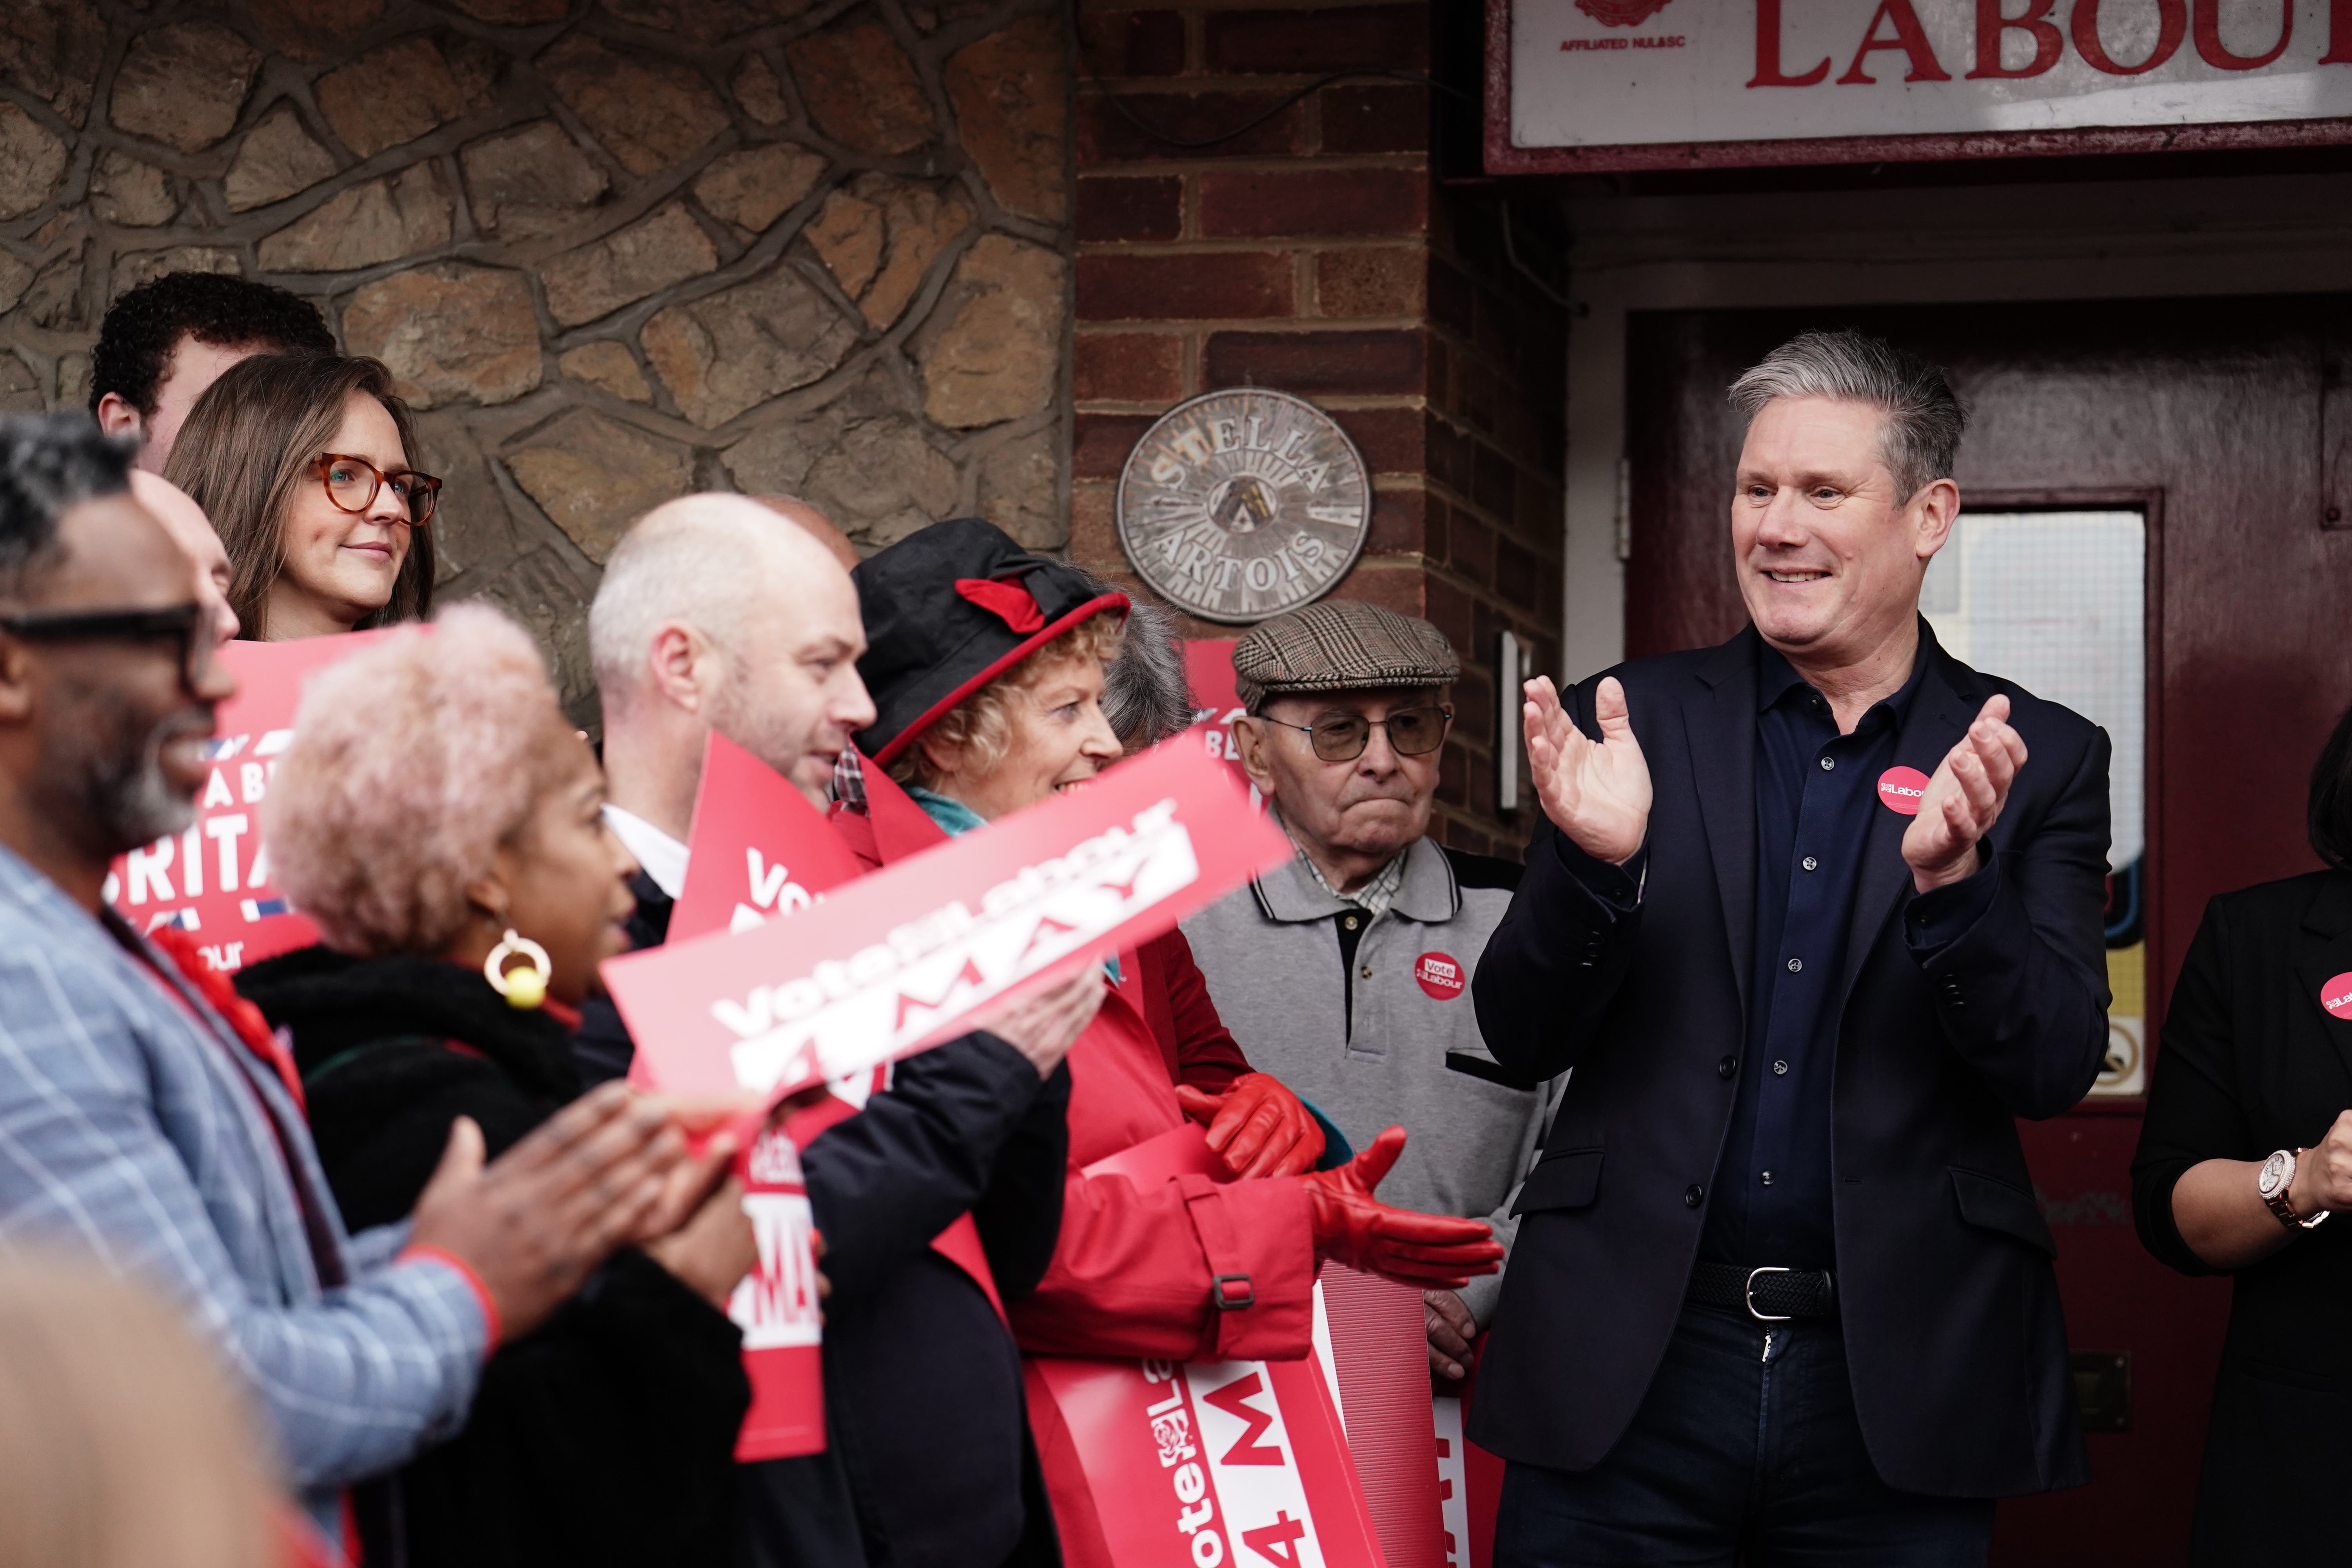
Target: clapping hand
x,y
1596,792
1964,799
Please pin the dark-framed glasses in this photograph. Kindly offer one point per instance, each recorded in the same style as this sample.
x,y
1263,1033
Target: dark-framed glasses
x,y
188,624
1342,737
352,483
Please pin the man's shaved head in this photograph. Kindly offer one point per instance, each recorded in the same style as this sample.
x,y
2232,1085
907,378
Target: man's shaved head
x,y
722,613
714,562
818,527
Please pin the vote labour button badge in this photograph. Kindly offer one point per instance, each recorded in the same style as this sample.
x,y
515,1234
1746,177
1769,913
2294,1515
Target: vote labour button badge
x,y
1900,789
1439,975
2336,995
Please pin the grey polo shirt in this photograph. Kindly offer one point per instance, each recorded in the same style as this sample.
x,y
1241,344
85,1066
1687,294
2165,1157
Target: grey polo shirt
x,y
1368,1041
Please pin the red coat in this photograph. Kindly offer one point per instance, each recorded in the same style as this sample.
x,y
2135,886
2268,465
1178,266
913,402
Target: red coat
x,y
1133,1272
1165,981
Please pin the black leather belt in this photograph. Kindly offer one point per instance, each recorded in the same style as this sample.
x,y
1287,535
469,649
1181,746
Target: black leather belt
x,y
1768,1295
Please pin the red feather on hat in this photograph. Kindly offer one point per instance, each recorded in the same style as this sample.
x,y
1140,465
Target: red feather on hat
x,y
1010,602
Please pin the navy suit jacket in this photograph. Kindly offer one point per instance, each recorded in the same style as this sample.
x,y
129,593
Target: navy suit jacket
x,y
1949,1306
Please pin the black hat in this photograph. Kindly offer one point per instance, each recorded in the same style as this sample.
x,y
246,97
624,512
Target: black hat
x,y
950,609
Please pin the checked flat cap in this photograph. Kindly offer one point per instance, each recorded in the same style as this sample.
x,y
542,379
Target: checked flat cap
x,y
1339,645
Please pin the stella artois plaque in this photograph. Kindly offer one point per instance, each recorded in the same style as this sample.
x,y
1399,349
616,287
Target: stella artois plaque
x,y
1243,504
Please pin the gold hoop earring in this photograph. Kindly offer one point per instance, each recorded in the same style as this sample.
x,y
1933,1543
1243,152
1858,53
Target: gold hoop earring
x,y
523,988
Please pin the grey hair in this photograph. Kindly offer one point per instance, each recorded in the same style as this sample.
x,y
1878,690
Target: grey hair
x,y
708,561
1146,695
1921,438
49,464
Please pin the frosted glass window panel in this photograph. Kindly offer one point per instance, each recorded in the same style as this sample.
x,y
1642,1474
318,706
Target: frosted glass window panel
x,y
2056,601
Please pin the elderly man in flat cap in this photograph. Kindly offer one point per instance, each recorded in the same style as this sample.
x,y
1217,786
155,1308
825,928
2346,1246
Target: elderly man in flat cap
x,y
1345,973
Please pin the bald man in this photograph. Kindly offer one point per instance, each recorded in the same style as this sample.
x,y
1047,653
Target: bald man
x,y
191,531
717,612
816,525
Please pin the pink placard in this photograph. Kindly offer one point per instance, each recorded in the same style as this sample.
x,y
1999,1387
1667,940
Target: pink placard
x,y
1153,1464
758,849
213,881
777,1308
1209,668
900,959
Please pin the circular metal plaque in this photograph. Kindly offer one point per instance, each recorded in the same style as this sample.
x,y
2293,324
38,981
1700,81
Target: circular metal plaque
x,y
1240,505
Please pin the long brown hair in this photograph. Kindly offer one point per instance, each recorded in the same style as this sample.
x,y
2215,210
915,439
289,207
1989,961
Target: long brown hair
x,y
247,447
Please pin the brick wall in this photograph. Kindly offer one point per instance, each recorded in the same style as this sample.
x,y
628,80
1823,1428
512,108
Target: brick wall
x,y
613,249
1318,253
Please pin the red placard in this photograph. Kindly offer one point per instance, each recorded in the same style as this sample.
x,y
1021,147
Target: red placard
x,y
1209,668
213,880
1469,1482
1156,1465
776,1307
758,849
902,957
1371,1335
1379,1360
1153,1464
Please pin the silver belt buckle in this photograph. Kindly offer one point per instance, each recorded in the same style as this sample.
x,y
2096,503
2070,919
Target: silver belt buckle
x,y
1748,1296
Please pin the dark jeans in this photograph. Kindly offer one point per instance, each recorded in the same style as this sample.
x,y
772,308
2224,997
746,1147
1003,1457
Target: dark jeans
x,y
1739,1453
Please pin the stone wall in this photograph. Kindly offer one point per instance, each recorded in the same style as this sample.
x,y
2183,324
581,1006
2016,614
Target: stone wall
x,y
1317,252
615,250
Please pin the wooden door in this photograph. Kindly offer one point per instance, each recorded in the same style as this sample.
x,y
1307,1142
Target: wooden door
x,y
2226,423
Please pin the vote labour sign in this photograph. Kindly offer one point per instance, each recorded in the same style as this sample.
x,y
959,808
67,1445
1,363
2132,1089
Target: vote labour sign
x,y
759,851
1198,1466
900,959
776,1307
1152,1463
1209,670
213,880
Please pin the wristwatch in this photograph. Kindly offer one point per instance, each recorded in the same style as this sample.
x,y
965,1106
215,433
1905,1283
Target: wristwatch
x,y
2276,1176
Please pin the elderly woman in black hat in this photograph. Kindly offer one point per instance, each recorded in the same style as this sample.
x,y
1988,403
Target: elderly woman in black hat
x,y
986,667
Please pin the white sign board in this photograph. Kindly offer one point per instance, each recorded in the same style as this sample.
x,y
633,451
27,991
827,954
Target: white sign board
x,y
1600,84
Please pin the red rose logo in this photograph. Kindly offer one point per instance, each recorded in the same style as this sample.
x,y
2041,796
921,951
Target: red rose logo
x,y
1622,13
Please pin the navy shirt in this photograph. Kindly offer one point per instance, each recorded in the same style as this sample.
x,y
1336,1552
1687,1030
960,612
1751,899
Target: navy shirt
x,y
1815,792
1816,797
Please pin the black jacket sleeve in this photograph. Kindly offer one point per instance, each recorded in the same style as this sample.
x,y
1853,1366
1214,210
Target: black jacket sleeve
x,y
2193,1111
2022,991
1020,1215
1555,963
883,1182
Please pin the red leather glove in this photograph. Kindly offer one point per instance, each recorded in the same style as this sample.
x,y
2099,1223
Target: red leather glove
x,y
1258,1126
1436,1252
